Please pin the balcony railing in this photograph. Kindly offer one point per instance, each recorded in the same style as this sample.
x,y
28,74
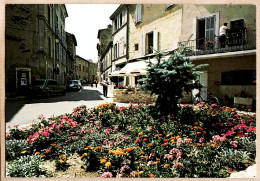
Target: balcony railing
x,y
239,41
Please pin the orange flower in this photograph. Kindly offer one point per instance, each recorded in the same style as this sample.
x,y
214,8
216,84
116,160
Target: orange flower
x,y
165,144
53,144
198,133
150,127
142,152
149,145
144,140
166,140
37,153
100,113
196,123
152,175
48,151
140,134
177,137
43,155
166,166
60,147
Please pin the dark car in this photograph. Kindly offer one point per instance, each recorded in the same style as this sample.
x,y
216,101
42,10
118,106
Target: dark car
x,y
46,87
74,85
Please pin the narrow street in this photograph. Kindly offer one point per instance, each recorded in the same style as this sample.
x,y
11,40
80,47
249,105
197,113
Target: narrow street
x,y
25,111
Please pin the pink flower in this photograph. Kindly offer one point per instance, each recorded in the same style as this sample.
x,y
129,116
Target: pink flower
x,y
234,143
133,173
107,131
16,126
177,164
46,133
201,140
106,175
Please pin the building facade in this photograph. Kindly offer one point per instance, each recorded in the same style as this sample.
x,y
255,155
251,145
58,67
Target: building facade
x,y
71,56
35,45
92,71
81,68
164,27
231,68
105,37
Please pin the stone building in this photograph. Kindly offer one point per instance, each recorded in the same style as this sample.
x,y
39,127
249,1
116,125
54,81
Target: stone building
x,y
81,68
35,45
92,71
105,37
71,56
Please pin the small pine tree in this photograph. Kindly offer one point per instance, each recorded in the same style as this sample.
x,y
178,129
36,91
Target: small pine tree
x,y
168,79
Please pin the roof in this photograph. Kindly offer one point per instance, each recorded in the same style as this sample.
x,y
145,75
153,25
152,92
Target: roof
x,y
73,37
117,11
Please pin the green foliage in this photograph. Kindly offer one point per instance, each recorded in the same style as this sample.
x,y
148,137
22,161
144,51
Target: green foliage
x,y
27,166
168,79
15,148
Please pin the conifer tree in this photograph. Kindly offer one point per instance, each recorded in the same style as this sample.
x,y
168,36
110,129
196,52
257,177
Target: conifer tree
x,y
168,79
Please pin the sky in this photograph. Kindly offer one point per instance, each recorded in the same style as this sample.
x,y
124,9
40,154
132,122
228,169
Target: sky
x,y
84,21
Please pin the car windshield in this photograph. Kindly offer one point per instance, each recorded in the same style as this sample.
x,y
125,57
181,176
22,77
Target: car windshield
x,y
38,82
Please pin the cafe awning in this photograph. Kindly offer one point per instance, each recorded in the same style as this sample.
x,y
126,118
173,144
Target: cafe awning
x,y
115,73
135,68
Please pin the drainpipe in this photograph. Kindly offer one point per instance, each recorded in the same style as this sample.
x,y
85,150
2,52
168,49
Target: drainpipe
x,y
127,34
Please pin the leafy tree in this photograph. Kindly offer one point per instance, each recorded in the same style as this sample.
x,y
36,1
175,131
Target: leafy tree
x,y
168,79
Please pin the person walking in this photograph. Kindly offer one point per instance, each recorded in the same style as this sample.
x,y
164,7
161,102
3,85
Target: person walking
x,y
96,82
105,86
223,35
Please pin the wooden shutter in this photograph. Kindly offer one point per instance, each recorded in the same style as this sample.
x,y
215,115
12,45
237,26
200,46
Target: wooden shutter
x,y
155,41
143,44
210,28
139,13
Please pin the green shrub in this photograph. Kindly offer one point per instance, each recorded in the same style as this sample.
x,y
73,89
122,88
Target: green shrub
x,y
27,166
15,148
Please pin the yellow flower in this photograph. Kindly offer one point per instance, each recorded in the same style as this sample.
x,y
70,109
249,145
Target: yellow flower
x,y
140,172
150,127
108,164
189,155
23,152
61,161
140,134
177,137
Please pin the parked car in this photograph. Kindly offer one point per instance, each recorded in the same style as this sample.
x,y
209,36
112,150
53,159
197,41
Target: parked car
x,y
74,85
46,87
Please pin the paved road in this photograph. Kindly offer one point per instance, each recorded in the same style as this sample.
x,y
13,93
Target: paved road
x,y
25,111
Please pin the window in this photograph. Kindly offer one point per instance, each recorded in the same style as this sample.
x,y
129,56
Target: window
x,y
49,46
138,14
136,47
119,21
49,15
122,47
239,77
150,42
116,51
207,30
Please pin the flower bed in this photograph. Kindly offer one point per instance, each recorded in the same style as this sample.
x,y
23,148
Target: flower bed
x,y
206,141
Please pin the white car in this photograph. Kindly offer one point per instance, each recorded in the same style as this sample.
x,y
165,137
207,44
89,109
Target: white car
x,y
74,85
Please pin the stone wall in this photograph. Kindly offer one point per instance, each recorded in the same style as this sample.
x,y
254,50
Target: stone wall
x,y
122,95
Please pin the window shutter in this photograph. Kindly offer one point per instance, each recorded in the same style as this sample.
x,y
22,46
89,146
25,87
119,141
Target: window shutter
x,y
136,10
210,28
155,41
117,49
143,44
139,13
